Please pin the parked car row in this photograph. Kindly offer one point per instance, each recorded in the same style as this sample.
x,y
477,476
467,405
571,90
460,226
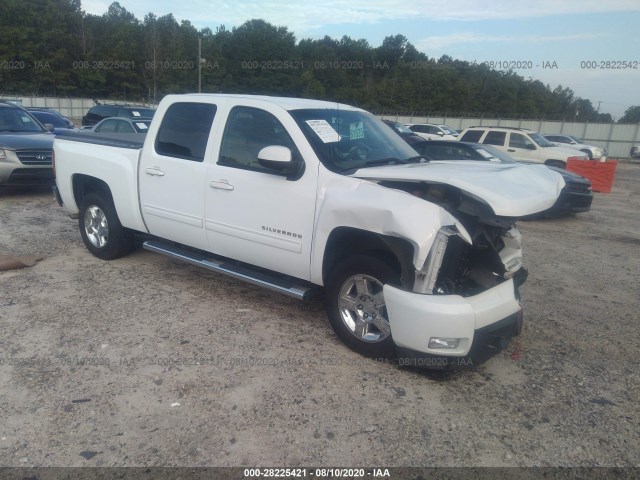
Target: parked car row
x,y
492,145
576,196
26,136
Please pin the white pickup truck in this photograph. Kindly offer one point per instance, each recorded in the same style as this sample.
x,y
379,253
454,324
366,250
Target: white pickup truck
x,y
419,261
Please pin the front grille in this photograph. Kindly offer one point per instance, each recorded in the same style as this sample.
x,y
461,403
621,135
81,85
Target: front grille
x,y
31,176
34,157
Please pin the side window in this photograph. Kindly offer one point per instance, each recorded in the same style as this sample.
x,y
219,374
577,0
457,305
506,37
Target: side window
x,y
517,140
472,136
184,130
248,131
124,127
107,126
495,138
419,128
98,112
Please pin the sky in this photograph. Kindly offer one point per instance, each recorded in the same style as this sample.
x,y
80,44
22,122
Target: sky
x,y
580,44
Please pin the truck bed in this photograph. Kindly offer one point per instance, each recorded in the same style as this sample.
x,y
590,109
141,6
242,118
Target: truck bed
x,y
113,161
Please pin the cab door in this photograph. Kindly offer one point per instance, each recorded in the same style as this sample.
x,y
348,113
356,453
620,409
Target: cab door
x,y
172,174
254,213
521,148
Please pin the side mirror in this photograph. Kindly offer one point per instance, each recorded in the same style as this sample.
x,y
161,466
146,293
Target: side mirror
x,y
280,160
49,127
441,133
275,157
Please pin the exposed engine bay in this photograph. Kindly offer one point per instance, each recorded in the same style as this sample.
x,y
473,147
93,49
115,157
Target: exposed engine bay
x,y
455,267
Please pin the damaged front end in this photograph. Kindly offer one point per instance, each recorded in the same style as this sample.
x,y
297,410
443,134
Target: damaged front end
x,y
464,305
488,253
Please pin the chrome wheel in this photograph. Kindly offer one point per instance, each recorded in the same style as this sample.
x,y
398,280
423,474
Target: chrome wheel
x,y
362,308
96,226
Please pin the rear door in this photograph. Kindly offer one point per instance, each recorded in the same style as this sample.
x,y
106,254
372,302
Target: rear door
x,y
172,174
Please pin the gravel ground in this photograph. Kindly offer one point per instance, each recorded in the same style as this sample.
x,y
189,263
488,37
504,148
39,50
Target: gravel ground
x,y
90,352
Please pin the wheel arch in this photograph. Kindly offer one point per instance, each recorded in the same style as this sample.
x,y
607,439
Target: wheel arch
x,y
346,241
123,197
83,184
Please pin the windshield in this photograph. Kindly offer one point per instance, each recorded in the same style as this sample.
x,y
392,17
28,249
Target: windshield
x,y
140,113
448,130
348,140
17,120
540,140
489,152
400,128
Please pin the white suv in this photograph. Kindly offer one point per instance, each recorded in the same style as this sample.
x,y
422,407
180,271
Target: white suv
x,y
431,131
521,144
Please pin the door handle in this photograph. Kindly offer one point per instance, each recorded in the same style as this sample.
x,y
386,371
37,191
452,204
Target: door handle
x,y
510,150
221,184
155,171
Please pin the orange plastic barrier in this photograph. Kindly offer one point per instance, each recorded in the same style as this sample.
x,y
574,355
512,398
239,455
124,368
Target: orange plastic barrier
x,y
599,173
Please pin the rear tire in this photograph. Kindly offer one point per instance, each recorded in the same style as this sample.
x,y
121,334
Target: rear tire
x,y
101,230
356,306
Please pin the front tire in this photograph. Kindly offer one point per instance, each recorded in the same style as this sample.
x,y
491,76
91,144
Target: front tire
x,y
101,230
588,153
356,307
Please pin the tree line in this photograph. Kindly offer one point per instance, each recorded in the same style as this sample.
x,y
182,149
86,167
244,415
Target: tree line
x,y
54,48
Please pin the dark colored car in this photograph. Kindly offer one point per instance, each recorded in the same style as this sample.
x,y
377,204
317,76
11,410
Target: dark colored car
x,y
575,197
25,148
58,121
100,112
406,134
51,111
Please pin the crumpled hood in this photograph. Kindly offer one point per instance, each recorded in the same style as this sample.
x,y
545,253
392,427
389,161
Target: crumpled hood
x,y
27,140
511,190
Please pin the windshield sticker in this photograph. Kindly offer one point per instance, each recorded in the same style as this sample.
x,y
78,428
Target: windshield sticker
x,y
325,131
356,131
141,126
135,114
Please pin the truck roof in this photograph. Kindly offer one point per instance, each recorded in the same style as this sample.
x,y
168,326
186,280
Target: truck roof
x,y
288,103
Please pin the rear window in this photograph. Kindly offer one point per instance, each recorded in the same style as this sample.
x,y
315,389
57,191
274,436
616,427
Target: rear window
x,y
136,112
184,131
472,136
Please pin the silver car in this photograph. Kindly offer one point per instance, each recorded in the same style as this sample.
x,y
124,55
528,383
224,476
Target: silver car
x,y
594,152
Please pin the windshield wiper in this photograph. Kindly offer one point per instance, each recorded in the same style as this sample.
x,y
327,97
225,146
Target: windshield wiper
x,y
385,161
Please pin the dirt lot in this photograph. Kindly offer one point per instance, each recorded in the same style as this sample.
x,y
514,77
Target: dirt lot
x,y
90,352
